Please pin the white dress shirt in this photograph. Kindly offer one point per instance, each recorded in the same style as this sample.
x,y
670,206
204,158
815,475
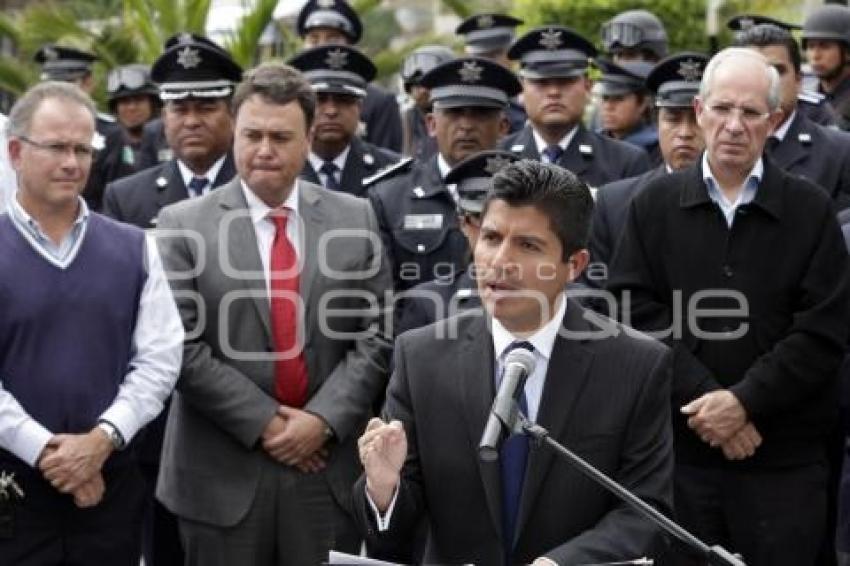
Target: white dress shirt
x,y
541,143
316,163
745,195
264,228
157,352
210,175
8,179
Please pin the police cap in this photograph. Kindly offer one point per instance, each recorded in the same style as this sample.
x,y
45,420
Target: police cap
x,y
193,66
471,81
744,22
485,33
623,78
675,80
473,177
60,63
334,14
552,51
337,69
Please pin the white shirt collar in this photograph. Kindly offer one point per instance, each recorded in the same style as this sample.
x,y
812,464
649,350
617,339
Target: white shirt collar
x,y
782,130
564,143
210,175
443,166
316,162
259,210
543,339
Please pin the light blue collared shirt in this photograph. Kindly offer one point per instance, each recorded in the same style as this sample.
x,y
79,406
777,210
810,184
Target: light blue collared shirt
x,y
29,227
745,196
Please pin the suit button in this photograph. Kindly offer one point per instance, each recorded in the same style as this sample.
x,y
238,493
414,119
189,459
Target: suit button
x,y
727,271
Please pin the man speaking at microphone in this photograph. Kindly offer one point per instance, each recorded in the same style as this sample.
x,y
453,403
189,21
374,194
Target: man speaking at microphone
x,y
601,392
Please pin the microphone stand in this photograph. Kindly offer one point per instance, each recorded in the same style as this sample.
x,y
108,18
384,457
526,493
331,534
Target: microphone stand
x,y
715,555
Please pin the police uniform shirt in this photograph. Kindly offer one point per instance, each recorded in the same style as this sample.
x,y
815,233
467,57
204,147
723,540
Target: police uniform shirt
x,y
317,162
563,144
187,175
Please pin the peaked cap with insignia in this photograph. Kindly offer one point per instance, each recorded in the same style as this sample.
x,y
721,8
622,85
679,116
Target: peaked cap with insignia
x,y
60,63
675,80
194,66
473,177
621,78
335,68
552,52
471,81
743,22
334,14
484,33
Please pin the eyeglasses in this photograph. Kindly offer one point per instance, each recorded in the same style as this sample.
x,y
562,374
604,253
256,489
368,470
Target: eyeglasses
x,y
746,115
60,149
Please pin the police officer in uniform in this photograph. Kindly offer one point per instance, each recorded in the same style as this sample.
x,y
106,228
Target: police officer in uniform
x,y
414,205
798,145
196,81
489,35
67,64
635,35
674,82
325,22
813,105
625,104
553,66
417,143
338,159
456,292
826,39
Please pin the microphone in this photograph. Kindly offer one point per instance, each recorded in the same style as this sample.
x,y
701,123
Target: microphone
x,y
518,366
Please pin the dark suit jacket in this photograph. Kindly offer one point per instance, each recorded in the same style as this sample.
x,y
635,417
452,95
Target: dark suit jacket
x,y
363,160
138,198
211,461
605,399
786,258
603,160
435,300
609,217
820,154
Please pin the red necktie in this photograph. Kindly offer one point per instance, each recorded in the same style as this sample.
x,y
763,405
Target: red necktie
x,y
291,368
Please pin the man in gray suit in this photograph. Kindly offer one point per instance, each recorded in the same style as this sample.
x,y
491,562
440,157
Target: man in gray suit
x,y
281,283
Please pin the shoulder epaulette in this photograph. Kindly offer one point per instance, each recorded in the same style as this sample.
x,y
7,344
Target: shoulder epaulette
x,y
810,96
388,171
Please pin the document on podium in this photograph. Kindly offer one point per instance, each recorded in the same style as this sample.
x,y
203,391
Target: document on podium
x,y
341,558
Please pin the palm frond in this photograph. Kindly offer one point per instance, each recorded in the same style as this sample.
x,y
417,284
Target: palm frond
x,y
195,14
142,25
9,28
243,42
15,76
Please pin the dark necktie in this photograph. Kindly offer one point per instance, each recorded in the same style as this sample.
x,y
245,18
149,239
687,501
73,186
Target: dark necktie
x,y
513,459
329,168
197,186
553,153
290,382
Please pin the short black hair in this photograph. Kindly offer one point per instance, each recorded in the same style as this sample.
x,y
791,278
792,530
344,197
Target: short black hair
x,y
278,84
765,35
556,192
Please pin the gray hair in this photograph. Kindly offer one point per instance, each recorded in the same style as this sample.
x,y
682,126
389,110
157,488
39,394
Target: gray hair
x,y
20,117
773,94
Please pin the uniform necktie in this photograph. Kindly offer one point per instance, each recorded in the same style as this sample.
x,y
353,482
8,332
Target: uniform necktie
x,y
553,153
513,458
197,186
290,367
330,169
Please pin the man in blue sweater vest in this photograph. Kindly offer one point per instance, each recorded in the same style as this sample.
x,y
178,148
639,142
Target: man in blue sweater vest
x,y
90,346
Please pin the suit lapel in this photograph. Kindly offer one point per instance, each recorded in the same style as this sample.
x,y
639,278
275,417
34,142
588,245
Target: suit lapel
x,y
170,185
309,174
791,150
242,248
526,139
476,367
310,209
226,173
353,172
573,159
566,377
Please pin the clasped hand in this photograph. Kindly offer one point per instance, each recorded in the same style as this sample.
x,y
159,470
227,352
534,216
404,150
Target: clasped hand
x,y
720,420
296,438
72,464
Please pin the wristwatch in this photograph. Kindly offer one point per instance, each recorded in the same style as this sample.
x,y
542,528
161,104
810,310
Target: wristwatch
x,y
112,433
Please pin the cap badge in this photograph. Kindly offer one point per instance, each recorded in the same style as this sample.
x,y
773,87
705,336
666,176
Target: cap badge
x,y
188,58
337,59
690,70
485,21
496,164
470,72
551,39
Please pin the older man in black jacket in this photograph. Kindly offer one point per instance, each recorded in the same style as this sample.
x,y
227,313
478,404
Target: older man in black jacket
x,y
755,377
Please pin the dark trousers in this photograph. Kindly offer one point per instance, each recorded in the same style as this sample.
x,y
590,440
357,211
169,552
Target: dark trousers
x,y
293,521
771,518
49,530
160,535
